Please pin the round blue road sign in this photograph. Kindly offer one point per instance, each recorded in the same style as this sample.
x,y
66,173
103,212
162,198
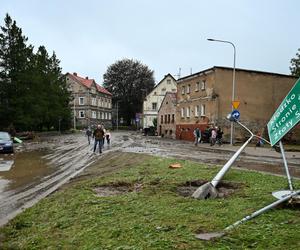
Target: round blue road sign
x,y
235,114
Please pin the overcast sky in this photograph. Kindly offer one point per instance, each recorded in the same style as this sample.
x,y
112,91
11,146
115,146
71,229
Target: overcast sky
x,y
166,35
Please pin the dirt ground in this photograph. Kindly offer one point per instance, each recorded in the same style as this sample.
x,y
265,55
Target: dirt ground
x,y
69,157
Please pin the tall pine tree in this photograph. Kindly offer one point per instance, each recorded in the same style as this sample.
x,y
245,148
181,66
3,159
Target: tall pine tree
x,y
15,63
33,91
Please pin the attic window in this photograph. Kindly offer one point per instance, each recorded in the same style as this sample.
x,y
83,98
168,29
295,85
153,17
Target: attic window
x,y
168,81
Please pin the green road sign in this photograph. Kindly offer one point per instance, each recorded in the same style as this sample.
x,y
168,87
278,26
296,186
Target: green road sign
x,y
286,116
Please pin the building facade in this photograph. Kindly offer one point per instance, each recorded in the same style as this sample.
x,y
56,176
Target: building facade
x,y
91,104
204,99
154,99
166,119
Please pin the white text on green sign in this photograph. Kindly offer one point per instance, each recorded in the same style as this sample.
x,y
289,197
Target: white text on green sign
x,y
286,116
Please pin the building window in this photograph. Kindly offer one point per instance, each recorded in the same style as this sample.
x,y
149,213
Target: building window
x,y
94,114
188,89
168,81
166,118
170,132
81,100
109,116
197,86
188,112
169,118
183,90
182,112
203,85
163,91
81,114
202,110
94,101
105,115
197,109
161,119
173,118
154,105
102,115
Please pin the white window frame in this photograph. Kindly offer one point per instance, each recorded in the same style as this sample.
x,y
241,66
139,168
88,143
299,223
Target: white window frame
x,y
188,112
203,85
168,81
81,114
81,100
188,88
203,110
183,90
94,101
109,116
197,86
182,112
94,114
197,109
102,115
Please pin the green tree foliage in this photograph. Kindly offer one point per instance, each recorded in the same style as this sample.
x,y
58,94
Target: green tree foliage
x,y
33,92
295,65
129,81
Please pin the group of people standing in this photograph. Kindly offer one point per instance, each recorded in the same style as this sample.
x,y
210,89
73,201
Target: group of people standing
x,y
213,134
99,135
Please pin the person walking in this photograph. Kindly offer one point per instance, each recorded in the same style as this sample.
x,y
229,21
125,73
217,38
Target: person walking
x,y
213,137
88,133
197,135
104,131
98,135
219,136
107,136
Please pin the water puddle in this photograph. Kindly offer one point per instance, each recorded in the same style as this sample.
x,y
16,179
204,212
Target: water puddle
x,y
21,170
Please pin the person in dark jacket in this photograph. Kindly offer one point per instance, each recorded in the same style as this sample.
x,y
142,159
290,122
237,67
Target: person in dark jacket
x,y
219,136
88,133
98,135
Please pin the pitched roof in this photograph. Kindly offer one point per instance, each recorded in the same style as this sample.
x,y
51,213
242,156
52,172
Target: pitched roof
x,y
88,83
173,97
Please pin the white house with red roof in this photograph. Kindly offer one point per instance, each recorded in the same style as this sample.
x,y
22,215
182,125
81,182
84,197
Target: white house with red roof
x,y
91,104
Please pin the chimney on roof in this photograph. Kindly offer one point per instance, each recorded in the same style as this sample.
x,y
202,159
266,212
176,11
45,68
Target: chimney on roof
x,y
75,74
87,77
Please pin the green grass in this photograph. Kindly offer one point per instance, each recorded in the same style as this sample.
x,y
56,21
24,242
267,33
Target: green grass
x,y
157,217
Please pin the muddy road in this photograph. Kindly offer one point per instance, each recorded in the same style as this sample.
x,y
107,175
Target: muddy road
x,y
39,168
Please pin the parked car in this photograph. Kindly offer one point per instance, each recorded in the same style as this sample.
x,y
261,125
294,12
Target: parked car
x,y
6,143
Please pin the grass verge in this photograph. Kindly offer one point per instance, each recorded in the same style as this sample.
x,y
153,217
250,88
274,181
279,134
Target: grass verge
x,y
155,217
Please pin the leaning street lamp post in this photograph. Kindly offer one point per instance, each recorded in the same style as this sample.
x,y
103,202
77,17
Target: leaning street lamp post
x,y
233,81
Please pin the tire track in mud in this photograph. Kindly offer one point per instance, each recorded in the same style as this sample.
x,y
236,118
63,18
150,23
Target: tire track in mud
x,y
70,159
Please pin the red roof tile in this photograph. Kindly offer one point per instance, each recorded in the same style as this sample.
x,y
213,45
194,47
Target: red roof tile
x,y
88,83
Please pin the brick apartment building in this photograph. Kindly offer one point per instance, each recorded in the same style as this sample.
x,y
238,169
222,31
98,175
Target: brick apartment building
x,y
204,99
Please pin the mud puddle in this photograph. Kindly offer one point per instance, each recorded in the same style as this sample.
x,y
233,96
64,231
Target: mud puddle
x,y
22,169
